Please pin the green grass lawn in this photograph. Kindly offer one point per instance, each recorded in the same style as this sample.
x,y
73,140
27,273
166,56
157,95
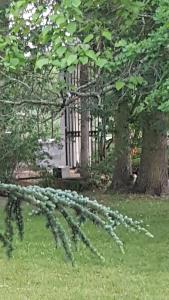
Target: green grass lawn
x,y
38,271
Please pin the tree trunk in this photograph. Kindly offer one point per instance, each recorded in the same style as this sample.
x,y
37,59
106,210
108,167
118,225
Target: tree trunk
x,y
84,126
153,173
122,163
4,4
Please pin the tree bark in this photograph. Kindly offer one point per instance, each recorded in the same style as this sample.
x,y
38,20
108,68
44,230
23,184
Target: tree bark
x,y
84,126
4,4
122,163
153,173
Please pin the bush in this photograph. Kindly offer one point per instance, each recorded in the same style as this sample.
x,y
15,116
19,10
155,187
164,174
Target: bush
x,y
135,164
101,172
18,143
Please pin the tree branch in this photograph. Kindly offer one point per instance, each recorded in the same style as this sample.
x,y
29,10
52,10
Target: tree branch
x,y
27,101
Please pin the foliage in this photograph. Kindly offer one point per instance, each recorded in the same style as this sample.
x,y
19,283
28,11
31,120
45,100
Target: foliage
x,y
18,141
129,54
101,172
132,52
73,208
67,33
22,125
135,164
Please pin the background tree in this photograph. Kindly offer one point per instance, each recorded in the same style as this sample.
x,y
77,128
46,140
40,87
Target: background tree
x,y
84,108
122,165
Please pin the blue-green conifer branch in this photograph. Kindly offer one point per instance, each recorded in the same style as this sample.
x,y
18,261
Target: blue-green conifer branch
x,y
54,204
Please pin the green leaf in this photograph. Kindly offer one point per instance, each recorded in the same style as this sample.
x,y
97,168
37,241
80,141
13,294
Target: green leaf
x,y
20,4
58,19
63,63
108,54
71,27
101,62
56,62
139,109
88,38
119,85
2,45
131,86
120,43
164,107
85,46
76,3
60,51
136,80
41,62
91,54
57,40
14,62
35,17
71,69
107,35
84,60
141,80
45,36
71,59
